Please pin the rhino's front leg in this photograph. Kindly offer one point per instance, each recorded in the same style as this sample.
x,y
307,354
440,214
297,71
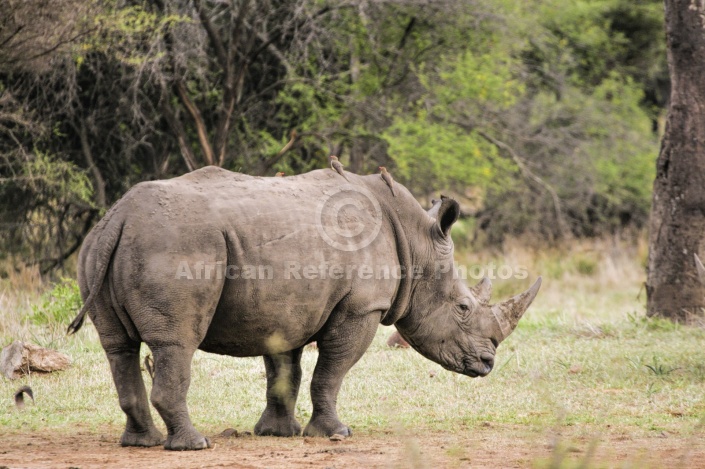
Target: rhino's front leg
x,y
283,380
339,348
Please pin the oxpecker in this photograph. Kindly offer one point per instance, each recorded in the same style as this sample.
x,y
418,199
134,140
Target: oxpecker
x,y
337,166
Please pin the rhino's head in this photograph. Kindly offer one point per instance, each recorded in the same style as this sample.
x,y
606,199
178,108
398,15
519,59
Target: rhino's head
x,y
447,321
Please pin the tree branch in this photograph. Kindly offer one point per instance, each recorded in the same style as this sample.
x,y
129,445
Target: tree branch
x,y
234,82
212,35
267,165
198,121
88,155
179,132
562,227
55,262
12,35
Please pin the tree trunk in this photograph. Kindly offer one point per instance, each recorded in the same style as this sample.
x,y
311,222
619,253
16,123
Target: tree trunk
x,y
677,225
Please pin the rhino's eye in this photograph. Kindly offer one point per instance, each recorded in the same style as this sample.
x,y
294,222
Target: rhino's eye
x,y
463,310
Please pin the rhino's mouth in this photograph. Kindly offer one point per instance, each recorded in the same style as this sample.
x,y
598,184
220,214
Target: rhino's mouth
x,y
471,369
465,367
463,364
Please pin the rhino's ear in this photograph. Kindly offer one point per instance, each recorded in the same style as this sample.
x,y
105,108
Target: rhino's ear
x,y
433,211
448,213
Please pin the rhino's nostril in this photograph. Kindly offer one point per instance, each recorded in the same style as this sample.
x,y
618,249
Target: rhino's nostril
x,y
487,360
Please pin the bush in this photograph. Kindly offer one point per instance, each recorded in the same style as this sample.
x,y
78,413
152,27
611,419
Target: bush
x,y
59,305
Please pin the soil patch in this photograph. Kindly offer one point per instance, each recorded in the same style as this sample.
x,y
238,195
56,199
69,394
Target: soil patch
x,y
488,446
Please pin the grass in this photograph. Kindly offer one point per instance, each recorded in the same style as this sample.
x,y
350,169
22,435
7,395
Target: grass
x,y
583,357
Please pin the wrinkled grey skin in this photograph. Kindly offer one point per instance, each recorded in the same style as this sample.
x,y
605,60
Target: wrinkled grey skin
x,y
127,273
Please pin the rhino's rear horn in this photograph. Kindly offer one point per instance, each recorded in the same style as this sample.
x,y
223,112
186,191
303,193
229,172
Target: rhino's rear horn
x,y
509,312
701,269
483,291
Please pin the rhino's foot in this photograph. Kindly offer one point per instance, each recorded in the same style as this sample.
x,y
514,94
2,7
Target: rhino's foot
x,y
187,441
322,427
270,426
151,437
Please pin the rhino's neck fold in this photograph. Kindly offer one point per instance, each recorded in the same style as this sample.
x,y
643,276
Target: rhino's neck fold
x,y
403,296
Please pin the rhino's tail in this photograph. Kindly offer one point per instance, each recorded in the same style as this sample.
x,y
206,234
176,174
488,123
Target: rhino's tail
x,y
106,242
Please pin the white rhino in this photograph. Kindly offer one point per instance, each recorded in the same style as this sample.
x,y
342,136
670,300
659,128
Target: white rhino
x,y
248,266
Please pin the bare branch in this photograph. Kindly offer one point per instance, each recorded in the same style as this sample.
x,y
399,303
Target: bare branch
x,y
12,35
562,227
267,165
198,121
179,133
212,35
88,155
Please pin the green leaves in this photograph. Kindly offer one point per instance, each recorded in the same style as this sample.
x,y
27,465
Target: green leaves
x,y
477,80
438,154
512,102
59,305
436,145
129,34
57,180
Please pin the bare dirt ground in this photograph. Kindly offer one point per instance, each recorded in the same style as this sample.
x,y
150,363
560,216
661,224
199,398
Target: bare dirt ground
x,y
485,447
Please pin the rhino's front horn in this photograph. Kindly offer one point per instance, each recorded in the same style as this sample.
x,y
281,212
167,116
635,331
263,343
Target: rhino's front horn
x,y
483,290
509,312
701,269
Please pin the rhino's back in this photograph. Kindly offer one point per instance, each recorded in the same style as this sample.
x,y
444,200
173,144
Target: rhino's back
x,y
221,196
269,217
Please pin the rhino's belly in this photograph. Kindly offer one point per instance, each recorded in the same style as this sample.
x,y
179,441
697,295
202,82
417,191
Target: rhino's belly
x,y
260,318
230,335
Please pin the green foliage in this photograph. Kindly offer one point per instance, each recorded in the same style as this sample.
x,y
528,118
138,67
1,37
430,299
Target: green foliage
x,y
592,140
586,265
126,34
435,146
57,180
476,80
462,233
606,179
566,97
590,39
624,159
436,155
37,206
59,305
513,102
659,369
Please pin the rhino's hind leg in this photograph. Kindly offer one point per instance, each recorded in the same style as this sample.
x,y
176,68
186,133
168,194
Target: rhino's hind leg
x,y
339,348
283,380
172,377
124,358
125,367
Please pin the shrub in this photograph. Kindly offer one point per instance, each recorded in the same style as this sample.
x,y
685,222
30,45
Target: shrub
x,y
59,305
